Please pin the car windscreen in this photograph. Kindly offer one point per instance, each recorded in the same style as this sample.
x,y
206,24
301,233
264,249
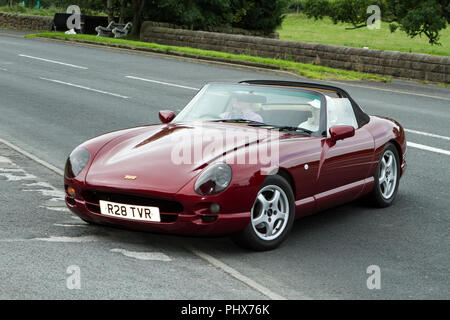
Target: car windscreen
x,y
275,106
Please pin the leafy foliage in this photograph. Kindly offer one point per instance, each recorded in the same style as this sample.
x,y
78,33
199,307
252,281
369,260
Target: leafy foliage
x,y
265,15
196,14
350,11
317,9
415,17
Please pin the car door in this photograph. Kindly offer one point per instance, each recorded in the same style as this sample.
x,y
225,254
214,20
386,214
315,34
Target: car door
x,y
344,164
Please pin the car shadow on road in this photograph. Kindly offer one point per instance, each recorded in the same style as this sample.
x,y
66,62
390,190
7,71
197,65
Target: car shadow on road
x,y
324,227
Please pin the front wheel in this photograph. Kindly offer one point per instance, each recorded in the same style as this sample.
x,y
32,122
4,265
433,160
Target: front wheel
x,y
272,216
386,177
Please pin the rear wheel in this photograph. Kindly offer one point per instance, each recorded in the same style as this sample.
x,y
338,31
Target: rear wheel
x,y
386,177
272,216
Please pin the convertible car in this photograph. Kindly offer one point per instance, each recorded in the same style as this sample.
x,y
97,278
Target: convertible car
x,y
244,159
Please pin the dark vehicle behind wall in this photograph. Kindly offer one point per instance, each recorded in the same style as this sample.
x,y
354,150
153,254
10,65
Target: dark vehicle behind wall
x,y
88,23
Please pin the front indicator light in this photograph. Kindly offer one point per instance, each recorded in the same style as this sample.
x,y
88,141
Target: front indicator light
x,y
71,192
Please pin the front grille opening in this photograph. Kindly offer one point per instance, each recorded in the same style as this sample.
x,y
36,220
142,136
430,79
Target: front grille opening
x,y
71,201
93,208
208,218
166,206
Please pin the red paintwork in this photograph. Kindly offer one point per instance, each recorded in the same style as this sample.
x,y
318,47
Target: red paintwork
x,y
341,132
339,171
166,116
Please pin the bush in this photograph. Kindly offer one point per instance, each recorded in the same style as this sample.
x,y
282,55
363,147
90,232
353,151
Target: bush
x,y
417,17
393,27
317,9
351,11
296,5
195,14
263,15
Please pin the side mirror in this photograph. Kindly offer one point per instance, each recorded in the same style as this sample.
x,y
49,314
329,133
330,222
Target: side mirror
x,y
341,132
166,116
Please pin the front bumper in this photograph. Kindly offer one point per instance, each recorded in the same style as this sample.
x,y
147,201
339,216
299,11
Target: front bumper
x,y
179,223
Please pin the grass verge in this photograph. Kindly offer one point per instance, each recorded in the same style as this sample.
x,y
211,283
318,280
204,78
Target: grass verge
x,y
306,70
297,27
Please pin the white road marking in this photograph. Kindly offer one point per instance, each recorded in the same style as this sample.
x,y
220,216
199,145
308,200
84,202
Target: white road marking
x,y
236,274
159,256
47,190
13,173
69,225
427,134
59,209
16,174
5,160
85,88
3,69
55,195
163,83
33,157
390,90
80,239
53,61
428,148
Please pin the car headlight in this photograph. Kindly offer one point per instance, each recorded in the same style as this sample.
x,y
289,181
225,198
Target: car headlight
x,y
213,180
78,159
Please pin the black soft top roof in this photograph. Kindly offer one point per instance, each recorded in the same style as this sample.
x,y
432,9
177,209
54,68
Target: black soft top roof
x,y
361,117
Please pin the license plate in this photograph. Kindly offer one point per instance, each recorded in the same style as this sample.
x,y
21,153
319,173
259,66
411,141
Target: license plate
x,y
131,212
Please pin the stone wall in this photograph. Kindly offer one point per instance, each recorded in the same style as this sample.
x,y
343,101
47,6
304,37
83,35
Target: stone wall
x,y
25,22
389,63
273,35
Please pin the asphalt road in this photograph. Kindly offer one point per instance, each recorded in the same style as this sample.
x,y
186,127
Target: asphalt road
x,y
54,96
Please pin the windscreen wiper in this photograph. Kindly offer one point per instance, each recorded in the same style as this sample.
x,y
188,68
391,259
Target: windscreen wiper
x,y
296,129
249,122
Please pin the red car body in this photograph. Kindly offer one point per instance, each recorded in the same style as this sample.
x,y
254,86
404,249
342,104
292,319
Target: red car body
x,y
337,172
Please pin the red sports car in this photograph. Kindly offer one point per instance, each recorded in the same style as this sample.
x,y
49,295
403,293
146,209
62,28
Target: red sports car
x,y
244,159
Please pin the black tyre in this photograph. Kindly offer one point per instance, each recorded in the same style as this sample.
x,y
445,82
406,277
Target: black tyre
x,y
386,178
272,216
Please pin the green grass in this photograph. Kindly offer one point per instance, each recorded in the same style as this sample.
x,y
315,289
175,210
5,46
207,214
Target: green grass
x,y
297,27
306,70
49,12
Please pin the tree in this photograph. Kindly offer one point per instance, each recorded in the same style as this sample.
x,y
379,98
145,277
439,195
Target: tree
x,y
351,11
414,17
317,9
123,10
417,17
264,15
110,10
138,9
